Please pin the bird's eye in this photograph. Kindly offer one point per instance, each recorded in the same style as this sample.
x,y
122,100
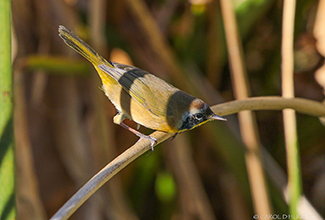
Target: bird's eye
x,y
199,116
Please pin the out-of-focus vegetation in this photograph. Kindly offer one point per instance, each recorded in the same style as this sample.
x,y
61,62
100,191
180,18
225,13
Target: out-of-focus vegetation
x,y
63,121
7,174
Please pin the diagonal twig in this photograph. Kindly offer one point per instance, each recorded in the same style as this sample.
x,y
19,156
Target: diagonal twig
x,y
314,108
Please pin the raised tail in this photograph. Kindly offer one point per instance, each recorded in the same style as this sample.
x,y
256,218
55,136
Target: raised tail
x,y
73,41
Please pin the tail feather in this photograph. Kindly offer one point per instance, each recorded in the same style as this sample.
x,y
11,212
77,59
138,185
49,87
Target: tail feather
x,y
73,41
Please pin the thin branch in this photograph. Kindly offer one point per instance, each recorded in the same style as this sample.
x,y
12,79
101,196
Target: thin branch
x,y
304,106
107,173
270,103
287,67
247,121
289,116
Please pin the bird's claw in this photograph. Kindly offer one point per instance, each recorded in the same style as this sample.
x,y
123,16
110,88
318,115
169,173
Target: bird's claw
x,y
153,141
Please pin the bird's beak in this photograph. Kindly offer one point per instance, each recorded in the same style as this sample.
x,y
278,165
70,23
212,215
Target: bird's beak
x,y
217,117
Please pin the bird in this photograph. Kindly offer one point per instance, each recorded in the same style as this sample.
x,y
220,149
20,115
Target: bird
x,y
142,97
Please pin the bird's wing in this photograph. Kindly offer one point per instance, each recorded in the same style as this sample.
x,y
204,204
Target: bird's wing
x,y
145,88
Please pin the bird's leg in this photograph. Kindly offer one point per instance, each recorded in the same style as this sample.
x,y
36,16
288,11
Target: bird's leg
x,y
119,118
140,135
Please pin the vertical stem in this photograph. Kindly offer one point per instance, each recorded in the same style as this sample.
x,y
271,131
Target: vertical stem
x,y
7,193
287,48
247,122
289,117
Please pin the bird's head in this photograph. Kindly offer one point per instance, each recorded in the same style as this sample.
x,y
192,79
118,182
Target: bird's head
x,y
199,113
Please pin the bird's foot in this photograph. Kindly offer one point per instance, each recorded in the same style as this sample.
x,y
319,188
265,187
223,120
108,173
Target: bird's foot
x,y
151,139
140,135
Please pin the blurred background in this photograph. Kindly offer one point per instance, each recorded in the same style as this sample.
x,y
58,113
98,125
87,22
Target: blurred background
x,y
63,121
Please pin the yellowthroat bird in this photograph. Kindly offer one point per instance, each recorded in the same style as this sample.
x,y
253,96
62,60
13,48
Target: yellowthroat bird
x,y
142,97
